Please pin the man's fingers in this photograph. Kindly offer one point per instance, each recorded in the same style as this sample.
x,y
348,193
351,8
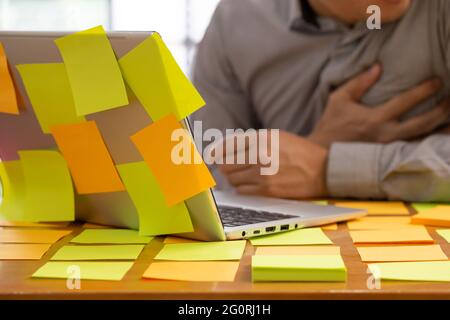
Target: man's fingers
x,y
358,86
407,100
251,175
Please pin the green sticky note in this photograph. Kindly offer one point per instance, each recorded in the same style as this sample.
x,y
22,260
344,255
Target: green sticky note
x,y
422,206
158,82
50,94
203,251
49,189
110,236
298,268
93,71
114,252
321,202
412,271
84,270
13,191
308,236
444,233
155,217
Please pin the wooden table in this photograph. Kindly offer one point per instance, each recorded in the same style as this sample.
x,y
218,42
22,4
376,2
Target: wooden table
x,y
15,281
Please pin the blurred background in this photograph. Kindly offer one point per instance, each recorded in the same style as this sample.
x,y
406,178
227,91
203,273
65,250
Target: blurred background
x,y
181,23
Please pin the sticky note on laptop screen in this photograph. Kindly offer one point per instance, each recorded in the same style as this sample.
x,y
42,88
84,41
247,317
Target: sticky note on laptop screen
x,y
307,236
156,79
8,97
377,207
49,91
88,158
412,271
413,235
168,150
13,191
155,216
94,74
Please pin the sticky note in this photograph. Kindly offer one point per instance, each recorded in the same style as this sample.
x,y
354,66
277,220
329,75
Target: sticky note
x,y
49,189
444,233
88,158
8,97
307,236
31,236
172,157
113,271
23,251
330,227
193,270
401,253
21,224
13,191
376,223
438,216
220,250
416,235
320,202
422,206
297,250
114,252
169,240
412,271
157,80
377,207
299,268
49,91
93,72
110,236
155,216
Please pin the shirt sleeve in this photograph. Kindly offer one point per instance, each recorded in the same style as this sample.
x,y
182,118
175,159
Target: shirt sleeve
x,y
418,171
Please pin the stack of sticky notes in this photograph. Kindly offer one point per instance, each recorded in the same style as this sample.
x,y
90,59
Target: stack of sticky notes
x,y
435,216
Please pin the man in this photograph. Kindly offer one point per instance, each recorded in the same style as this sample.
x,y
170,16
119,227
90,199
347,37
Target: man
x,y
362,113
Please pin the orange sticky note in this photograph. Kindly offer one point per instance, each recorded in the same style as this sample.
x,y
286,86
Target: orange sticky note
x,y
193,270
8,97
169,240
176,165
329,227
23,251
376,223
7,223
438,216
87,156
377,207
401,253
31,236
415,235
297,250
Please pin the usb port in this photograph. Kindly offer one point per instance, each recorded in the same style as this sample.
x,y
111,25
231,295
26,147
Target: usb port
x,y
270,229
256,232
284,227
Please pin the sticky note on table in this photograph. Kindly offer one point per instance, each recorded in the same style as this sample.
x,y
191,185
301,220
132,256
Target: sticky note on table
x,y
113,271
297,250
422,206
412,271
88,158
220,250
193,270
114,252
444,233
93,72
8,96
402,253
111,236
299,268
31,236
176,164
13,191
49,189
155,216
377,223
437,216
307,236
21,224
377,207
50,94
415,235
157,80
330,227
23,251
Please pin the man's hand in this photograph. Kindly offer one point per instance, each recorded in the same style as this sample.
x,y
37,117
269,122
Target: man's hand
x,y
346,119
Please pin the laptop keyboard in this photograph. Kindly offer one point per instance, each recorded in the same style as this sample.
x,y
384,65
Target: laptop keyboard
x,y
234,216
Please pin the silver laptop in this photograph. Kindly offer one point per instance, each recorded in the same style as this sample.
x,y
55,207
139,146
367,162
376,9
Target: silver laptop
x,y
215,215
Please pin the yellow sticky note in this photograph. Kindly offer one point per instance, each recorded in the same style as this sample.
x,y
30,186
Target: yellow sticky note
x,y
8,97
114,252
49,91
444,233
415,235
437,216
376,223
422,206
94,74
193,270
88,158
13,191
157,80
110,236
330,227
155,217
412,271
307,236
220,250
168,240
113,271
173,159
31,236
49,189
23,251
297,250
402,253
377,207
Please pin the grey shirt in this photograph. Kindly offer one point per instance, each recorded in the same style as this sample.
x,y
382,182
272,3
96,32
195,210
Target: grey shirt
x,y
262,65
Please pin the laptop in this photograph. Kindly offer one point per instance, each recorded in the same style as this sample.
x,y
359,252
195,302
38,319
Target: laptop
x,y
215,215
